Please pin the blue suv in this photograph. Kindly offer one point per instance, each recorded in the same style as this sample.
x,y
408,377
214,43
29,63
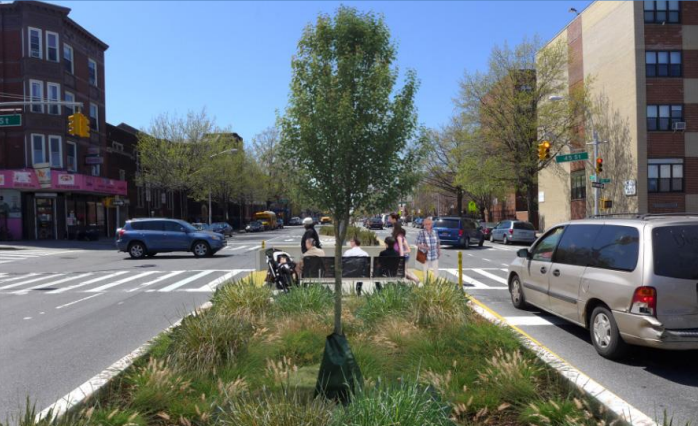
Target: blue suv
x,y
146,237
458,231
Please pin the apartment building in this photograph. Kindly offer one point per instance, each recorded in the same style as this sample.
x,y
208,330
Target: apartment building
x,y
51,183
640,63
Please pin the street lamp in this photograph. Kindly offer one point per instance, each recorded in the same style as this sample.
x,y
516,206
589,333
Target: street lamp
x,y
227,151
595,142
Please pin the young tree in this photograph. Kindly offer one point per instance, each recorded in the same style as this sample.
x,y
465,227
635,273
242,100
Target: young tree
x,y
275,166
347,128
442,163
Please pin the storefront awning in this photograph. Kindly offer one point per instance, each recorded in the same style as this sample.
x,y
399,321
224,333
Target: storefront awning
x,y
53,180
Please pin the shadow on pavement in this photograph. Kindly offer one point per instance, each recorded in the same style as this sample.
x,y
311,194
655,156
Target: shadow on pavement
x,y
101,244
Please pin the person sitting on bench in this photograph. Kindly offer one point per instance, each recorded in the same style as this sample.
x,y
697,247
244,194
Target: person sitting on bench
x,y
356,251
311,250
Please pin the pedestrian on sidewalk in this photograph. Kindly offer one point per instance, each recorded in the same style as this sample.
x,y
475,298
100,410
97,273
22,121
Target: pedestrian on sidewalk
x,y
310,232
428,242
402,246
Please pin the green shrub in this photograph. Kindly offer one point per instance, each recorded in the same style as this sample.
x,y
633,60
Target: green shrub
x,y
156,387
555,412
439,301
27,417
393,299
405,404
273,409
312,299
367,237
243,296
511,377
303,346
115,417
208,340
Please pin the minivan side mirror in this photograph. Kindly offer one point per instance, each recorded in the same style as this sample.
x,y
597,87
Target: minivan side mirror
x,y
523,253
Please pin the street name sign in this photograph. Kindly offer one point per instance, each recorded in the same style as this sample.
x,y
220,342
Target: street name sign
x,y
597,185
577,156
605,180
10,120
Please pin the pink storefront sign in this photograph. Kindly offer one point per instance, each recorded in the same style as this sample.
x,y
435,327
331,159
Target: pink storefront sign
x,y
61,181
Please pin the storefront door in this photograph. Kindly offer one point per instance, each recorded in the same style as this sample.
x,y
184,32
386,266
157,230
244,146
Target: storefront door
x,y
45,218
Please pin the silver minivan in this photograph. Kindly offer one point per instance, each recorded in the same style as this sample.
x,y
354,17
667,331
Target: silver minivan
x,y
628,281
513,231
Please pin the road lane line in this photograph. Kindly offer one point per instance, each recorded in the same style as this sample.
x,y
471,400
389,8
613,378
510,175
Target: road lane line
x,y
119,282
7,280
237,248
504,264
486,260
156,280
78,301
30,281
218,281
102,278
468,280
27,290
184,281
253,248
529,320
491,276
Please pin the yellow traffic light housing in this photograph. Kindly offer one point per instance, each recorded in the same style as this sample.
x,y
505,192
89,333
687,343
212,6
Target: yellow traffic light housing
x,y
599,165
84,126
544,150
79,125
73,127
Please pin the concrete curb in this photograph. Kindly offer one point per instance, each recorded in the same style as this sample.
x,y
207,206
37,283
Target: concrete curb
x,y
612,403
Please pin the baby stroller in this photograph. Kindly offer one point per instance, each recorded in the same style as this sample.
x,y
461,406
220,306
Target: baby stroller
x,y
281,269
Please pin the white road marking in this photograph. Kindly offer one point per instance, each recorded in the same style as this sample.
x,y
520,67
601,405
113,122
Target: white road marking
x,y
78,301
102,278
237,248
486,260
30,281
156,280
7,280
119,282
467,279
504,264
185,281
27,318
218,281
27,290
470,255
254,248
491,276
532,320
290,239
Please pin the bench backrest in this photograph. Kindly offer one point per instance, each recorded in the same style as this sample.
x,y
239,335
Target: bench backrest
x,y
388,267
354,267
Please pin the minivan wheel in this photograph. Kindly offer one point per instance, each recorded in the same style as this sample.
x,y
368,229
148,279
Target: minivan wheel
x,y
517,296
505,240
201,249
491,238
482,242
137,250
466,243
604,334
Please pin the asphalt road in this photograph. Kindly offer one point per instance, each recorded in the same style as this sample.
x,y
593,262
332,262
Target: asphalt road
x,y
86,309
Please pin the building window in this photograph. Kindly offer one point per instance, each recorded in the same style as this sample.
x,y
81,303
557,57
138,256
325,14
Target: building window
x,y
663,117
54,95
117,147
660,12
72,156
56,151
37,95
38,149
579,185
51,46
92,65
96,170
69,97
68,58
94,117
663,64
122,174
35,45
665,175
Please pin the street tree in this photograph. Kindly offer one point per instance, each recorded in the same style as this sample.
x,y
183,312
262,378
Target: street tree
x,y
348,129
442,162
266,148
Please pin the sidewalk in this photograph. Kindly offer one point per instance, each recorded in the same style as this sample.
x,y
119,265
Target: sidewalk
x,y
101,244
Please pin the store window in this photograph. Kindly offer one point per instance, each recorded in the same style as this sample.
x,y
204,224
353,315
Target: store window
x,y
579,185
55,151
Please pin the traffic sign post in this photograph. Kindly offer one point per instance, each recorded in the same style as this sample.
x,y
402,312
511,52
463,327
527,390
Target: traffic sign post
x,y
577,156
10,120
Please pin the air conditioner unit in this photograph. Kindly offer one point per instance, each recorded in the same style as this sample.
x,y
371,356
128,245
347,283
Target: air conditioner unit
x,y
679,125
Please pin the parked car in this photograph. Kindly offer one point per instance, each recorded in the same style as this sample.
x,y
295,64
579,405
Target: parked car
x,y
628,281
418,223
513,231
222,228
458,231
487,228
201,226
146,237
255,226
325,220
295,221
375,223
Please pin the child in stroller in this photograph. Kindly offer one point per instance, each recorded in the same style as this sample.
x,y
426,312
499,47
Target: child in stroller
x,y
281,269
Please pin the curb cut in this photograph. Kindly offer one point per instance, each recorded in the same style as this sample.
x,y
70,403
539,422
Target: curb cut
x,y
615,405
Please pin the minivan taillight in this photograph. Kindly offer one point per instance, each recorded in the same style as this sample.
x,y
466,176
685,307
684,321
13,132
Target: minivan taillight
x,y
644,301
511,232
460,232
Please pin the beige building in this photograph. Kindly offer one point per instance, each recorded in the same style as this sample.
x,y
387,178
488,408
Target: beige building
x,y
640,62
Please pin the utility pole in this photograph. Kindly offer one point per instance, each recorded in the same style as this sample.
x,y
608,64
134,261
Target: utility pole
x,y
595,142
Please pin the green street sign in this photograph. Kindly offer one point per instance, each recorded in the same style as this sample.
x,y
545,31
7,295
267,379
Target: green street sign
x,y
10,120
606,180
566,158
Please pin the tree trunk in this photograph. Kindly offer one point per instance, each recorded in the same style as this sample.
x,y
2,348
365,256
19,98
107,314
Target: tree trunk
x,y
340,233
459,201
530,199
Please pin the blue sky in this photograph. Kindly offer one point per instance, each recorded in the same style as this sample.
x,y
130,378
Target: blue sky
x,y
233,58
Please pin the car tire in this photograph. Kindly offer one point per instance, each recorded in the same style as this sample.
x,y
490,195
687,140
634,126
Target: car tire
x,y
604,334
505,241
201,249
466,243
516,292
151,254
491,238
137,250
482,242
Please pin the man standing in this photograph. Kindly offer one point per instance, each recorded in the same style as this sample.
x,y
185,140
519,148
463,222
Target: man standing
x,y
428,242
310,232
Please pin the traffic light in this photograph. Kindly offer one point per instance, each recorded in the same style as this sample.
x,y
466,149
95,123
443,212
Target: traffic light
x,y
73,127
79,125
544,150
605,204
84,126
599,165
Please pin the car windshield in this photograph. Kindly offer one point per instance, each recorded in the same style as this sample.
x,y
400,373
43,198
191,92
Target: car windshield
x,y
524,226
446,223
256,223
675,251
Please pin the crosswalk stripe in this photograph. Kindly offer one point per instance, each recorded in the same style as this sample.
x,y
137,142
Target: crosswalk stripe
x,y
491,276
184,281
468,279
30,281
98,279
156,280
27,290
237,248
7,280
119,282
78,301
19,256
218,281
254,248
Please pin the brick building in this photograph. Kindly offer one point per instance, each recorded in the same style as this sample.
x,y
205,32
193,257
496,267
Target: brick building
x,y
643,60
52,184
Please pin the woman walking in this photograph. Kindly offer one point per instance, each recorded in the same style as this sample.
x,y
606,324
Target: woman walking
x,y
428,243
402,246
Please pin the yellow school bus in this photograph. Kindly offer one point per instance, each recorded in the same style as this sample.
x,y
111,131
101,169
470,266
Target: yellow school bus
x,y
267,218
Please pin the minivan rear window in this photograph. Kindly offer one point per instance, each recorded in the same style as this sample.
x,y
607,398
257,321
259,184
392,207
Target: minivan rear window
x,y
524,225
675,251
447,223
